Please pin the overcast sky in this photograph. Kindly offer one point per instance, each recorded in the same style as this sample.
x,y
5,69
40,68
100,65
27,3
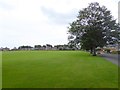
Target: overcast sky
x,y
32,22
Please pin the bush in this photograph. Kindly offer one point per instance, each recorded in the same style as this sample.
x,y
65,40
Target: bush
x,y
107,50
118,52
115,52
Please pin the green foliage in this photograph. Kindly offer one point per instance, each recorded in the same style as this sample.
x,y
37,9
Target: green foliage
x,y
115,52
94,27
57,69
107,50
24,47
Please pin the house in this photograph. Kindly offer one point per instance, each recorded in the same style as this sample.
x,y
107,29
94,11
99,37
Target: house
x,y
112,47
54,48
14,49
1,48
5,49
48,47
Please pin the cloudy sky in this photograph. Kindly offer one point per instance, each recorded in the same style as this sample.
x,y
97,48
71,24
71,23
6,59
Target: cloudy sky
x,y
31,22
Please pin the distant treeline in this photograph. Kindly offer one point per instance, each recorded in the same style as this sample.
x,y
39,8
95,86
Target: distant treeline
x,y
41,47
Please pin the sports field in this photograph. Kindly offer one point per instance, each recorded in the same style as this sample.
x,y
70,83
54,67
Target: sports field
x,y
57,69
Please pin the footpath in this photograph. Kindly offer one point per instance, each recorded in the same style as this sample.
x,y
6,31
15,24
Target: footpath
x,y
114,58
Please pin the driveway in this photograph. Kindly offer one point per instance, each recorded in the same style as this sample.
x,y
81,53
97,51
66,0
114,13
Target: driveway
x,y
111,57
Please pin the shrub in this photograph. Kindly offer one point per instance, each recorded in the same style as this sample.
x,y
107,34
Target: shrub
x,y
115,52
107,50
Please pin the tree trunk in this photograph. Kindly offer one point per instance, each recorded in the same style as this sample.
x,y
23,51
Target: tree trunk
x,y
91,51
94,52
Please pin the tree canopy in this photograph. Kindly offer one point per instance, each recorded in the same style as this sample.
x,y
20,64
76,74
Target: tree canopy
x,y
94,27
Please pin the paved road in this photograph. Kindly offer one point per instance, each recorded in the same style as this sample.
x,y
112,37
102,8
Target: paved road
x,y
112,58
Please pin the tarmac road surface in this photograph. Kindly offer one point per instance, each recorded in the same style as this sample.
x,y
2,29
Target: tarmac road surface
x,y
114,58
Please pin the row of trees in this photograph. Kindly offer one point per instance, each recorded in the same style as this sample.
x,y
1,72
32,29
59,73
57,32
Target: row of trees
x,y
94,27
41,47
46,47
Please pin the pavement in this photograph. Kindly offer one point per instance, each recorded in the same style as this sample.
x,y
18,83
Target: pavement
x,y
112,58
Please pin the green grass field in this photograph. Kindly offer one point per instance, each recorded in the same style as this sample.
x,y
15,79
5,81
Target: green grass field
x,y
0,70
57,69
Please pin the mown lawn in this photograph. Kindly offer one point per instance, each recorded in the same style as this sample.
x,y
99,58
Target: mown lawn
x,y
57,69
0,70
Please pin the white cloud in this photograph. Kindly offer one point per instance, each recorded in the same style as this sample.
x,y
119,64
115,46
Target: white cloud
x,y
22,22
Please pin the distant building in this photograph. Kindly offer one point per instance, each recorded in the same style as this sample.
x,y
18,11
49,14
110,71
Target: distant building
x,y
4,49
54,48
14,49
113,47
1,48
48,47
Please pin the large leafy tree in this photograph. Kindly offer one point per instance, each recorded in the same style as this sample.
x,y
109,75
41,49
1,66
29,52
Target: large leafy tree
x,y
94,28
